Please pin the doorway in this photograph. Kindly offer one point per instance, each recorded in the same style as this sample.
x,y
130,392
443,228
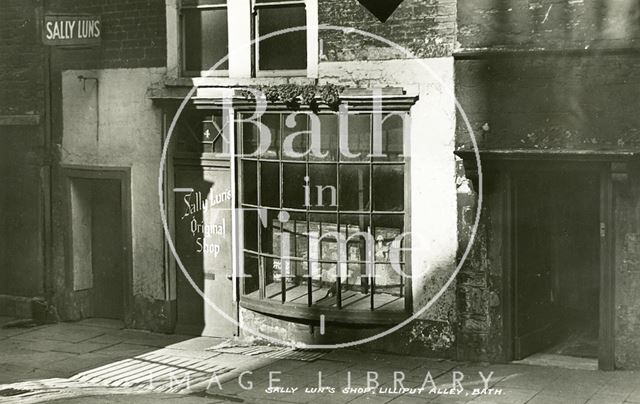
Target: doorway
x,y
203,238
99,242
556,247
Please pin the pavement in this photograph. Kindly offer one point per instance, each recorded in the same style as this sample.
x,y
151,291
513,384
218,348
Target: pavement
x,y
97,361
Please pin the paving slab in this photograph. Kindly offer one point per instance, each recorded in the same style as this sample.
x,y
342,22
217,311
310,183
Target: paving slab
x,y
70,366
507,396
125,349
41,353
22,357
60,346
196,344
102,323
146,338
607,399
63,332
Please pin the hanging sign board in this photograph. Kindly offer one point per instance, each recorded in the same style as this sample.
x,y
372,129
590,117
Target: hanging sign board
x,y
71,30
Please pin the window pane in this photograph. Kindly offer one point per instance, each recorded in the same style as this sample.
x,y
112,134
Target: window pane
x,y
249,140
273,277
285,51
295,228
249,182
272,121
326,281
205,38
270,184
328,137
285,239
270,234
386,228
212,138
354,187
388,280
322,237
250,216
324,176
299,144
388,188
391,139
356,280
250,275
356,230
297,282
288,276
359,137
293,185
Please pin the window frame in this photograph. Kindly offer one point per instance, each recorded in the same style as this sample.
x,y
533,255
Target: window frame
x,y
309,311
255,21
183,58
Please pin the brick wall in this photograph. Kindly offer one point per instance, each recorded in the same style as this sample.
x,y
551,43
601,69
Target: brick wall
x,y
425,27
548,24
133,34
21,65
21,153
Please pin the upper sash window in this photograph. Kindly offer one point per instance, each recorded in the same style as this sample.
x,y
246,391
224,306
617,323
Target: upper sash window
x,y
285,50
204,35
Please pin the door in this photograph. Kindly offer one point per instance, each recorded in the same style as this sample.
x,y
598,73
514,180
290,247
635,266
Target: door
x,y
556,259
108,252
99,245
536,315
203,241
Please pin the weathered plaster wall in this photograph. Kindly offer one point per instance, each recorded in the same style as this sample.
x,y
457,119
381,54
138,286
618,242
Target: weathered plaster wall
x,y
545,101
128,134
425,27
548,24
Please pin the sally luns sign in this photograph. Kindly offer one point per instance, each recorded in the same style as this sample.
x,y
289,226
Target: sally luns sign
x,y
71,30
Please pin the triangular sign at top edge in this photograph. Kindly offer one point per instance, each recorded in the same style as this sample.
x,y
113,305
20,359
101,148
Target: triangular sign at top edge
x,y
382,9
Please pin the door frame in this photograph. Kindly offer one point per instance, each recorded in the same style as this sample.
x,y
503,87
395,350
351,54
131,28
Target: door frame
x,y
606,337
123,175
202,162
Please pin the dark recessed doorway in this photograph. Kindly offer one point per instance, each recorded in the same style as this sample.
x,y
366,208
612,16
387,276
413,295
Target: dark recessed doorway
x,y
99,241
556,257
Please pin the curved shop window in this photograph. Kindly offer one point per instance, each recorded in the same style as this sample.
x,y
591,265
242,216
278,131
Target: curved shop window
x,y
325,234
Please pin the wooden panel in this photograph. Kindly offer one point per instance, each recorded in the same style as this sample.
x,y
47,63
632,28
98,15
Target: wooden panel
x,y
606,354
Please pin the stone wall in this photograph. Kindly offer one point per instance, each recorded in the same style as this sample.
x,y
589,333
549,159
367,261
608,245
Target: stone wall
x,y
547,24
480,301
627,269
425,27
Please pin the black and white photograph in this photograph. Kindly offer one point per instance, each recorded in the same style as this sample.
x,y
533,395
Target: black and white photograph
x,y
320,201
